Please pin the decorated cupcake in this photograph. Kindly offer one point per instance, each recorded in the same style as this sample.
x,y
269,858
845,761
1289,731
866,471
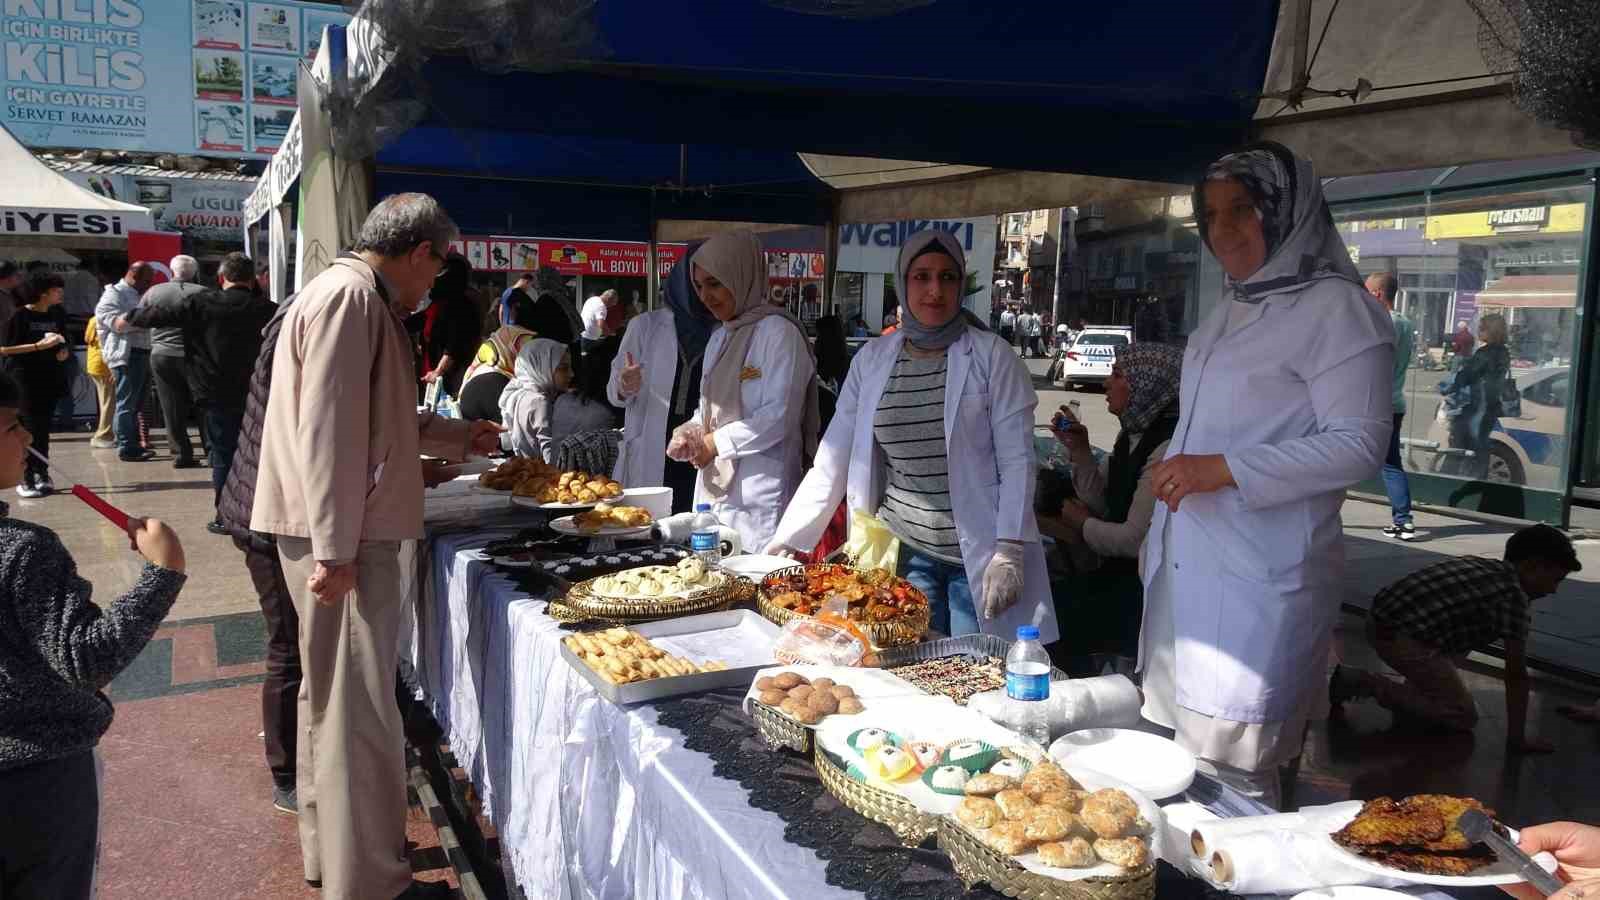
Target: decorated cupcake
x,y
973,755
865,739
946,779
887,762
1010,767
926,752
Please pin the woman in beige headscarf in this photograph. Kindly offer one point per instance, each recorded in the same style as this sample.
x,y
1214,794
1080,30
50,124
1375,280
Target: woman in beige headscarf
x,y
758,396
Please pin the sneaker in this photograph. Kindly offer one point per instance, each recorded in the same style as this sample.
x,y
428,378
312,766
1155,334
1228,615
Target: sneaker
x,y
29,492
283,800
215,526
45,485
137,456
190,463
1404,531
103,443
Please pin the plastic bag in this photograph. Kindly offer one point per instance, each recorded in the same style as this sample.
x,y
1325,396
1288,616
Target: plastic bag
x,y
872,545
830,639
686,441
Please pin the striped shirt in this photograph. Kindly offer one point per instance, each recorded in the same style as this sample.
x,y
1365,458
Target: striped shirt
x,y
909,428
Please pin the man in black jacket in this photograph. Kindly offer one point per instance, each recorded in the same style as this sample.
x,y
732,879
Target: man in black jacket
x,y
280,690
222,330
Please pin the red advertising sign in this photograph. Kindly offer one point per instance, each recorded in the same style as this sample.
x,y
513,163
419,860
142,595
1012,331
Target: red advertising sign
x,y
608,258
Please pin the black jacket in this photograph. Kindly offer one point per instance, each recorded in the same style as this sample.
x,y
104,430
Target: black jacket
x,y
239,492
223,332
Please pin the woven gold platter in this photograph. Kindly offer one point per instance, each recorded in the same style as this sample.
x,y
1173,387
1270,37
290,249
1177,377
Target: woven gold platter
x,y
894,633
911,825
976,862
581,604
779,731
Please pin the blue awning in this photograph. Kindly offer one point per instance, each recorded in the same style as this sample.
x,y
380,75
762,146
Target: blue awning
x,y
1143,90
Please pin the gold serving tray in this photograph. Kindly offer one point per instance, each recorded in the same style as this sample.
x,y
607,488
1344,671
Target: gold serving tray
x,y
897,633
779,731
582,605
911,825
976,862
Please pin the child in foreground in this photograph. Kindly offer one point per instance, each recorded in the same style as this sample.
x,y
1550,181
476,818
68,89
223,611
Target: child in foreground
x,y
58,651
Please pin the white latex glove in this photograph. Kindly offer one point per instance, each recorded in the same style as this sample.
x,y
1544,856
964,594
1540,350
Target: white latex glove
x,y
687,442
1002,582
780,549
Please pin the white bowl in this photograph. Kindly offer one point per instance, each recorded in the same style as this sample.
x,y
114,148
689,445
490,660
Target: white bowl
x,y
658,500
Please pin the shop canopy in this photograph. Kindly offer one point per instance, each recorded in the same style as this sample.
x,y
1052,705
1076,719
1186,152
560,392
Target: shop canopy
x,y
761,113
1531,292
41,207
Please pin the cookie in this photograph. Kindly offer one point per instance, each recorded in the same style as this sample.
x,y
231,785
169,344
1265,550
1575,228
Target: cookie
x,y
1044,823
850,706
978,812
986,784
823,703
772,697
1128,852
1014,804
786,680
801,691
1072,853
1009,838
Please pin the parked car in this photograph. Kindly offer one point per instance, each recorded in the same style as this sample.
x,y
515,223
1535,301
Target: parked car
x,y
1088,360
1528,449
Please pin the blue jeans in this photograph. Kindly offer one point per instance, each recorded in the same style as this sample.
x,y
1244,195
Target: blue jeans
x,y
132,377
222,431
949,595
1394,478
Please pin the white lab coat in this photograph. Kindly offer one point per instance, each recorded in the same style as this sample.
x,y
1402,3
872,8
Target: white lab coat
x,y
1297,398
652,339
765,443
988,428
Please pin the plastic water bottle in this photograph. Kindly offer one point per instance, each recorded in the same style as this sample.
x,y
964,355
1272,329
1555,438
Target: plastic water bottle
x,y
706,540
1028,686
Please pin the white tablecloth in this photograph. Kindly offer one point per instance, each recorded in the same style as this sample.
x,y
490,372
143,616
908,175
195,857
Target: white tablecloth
x,y
592,800
589,799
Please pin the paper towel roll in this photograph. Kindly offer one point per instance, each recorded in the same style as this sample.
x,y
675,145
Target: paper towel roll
x,y
1182,818
1205,837
1283,862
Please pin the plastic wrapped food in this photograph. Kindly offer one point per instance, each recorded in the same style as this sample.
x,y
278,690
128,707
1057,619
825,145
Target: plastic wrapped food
x,y
827,640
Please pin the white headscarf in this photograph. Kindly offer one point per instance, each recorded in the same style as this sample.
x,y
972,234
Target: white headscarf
x,y
735,258
525,402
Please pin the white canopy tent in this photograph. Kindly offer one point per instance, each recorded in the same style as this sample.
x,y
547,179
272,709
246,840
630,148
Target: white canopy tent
x,y
40,207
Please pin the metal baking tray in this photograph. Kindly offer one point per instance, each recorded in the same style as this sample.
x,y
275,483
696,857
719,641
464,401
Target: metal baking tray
x,y
965,645
745,644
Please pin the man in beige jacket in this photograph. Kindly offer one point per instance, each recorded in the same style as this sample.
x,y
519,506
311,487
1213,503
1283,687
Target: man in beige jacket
x,y
341,486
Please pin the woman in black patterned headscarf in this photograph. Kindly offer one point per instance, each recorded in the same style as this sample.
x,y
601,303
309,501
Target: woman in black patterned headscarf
x,y
1114,504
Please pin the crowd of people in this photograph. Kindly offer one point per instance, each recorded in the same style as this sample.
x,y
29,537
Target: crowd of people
x,y
1207,545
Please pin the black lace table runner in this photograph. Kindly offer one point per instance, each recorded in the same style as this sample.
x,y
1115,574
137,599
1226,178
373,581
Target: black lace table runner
x,y
861,855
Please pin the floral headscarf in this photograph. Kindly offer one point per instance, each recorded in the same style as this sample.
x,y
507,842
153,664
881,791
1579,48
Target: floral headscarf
x,y
1302,245
1153,371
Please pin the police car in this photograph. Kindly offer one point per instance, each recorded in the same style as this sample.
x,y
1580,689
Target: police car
x,y
1089,359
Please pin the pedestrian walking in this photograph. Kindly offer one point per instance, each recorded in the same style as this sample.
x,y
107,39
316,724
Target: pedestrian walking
x,y
35,354
1384,286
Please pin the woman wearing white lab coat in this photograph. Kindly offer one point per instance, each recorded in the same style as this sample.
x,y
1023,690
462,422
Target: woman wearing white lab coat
x,y
655,378
758,397
1285,404
978,557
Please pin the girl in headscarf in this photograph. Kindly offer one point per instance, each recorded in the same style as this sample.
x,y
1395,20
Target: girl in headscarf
x,y
934,436
543,371
655,377
495,363
758,394
1285,403
1115,501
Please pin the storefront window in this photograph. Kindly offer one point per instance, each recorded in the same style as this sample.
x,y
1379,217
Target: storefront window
x,y
1490,284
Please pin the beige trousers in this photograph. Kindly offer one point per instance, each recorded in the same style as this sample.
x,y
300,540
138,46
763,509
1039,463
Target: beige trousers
x,y
106,392
350,771
1432,690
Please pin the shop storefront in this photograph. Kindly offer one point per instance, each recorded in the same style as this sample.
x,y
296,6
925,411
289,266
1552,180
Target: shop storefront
x,y
867,254
591,267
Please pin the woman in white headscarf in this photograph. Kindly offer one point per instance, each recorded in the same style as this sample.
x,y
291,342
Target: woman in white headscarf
x,y
758,394
1285,403
543,371
933,434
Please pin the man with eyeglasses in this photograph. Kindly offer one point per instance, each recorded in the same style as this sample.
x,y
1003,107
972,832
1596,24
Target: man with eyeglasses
x,y
340,486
